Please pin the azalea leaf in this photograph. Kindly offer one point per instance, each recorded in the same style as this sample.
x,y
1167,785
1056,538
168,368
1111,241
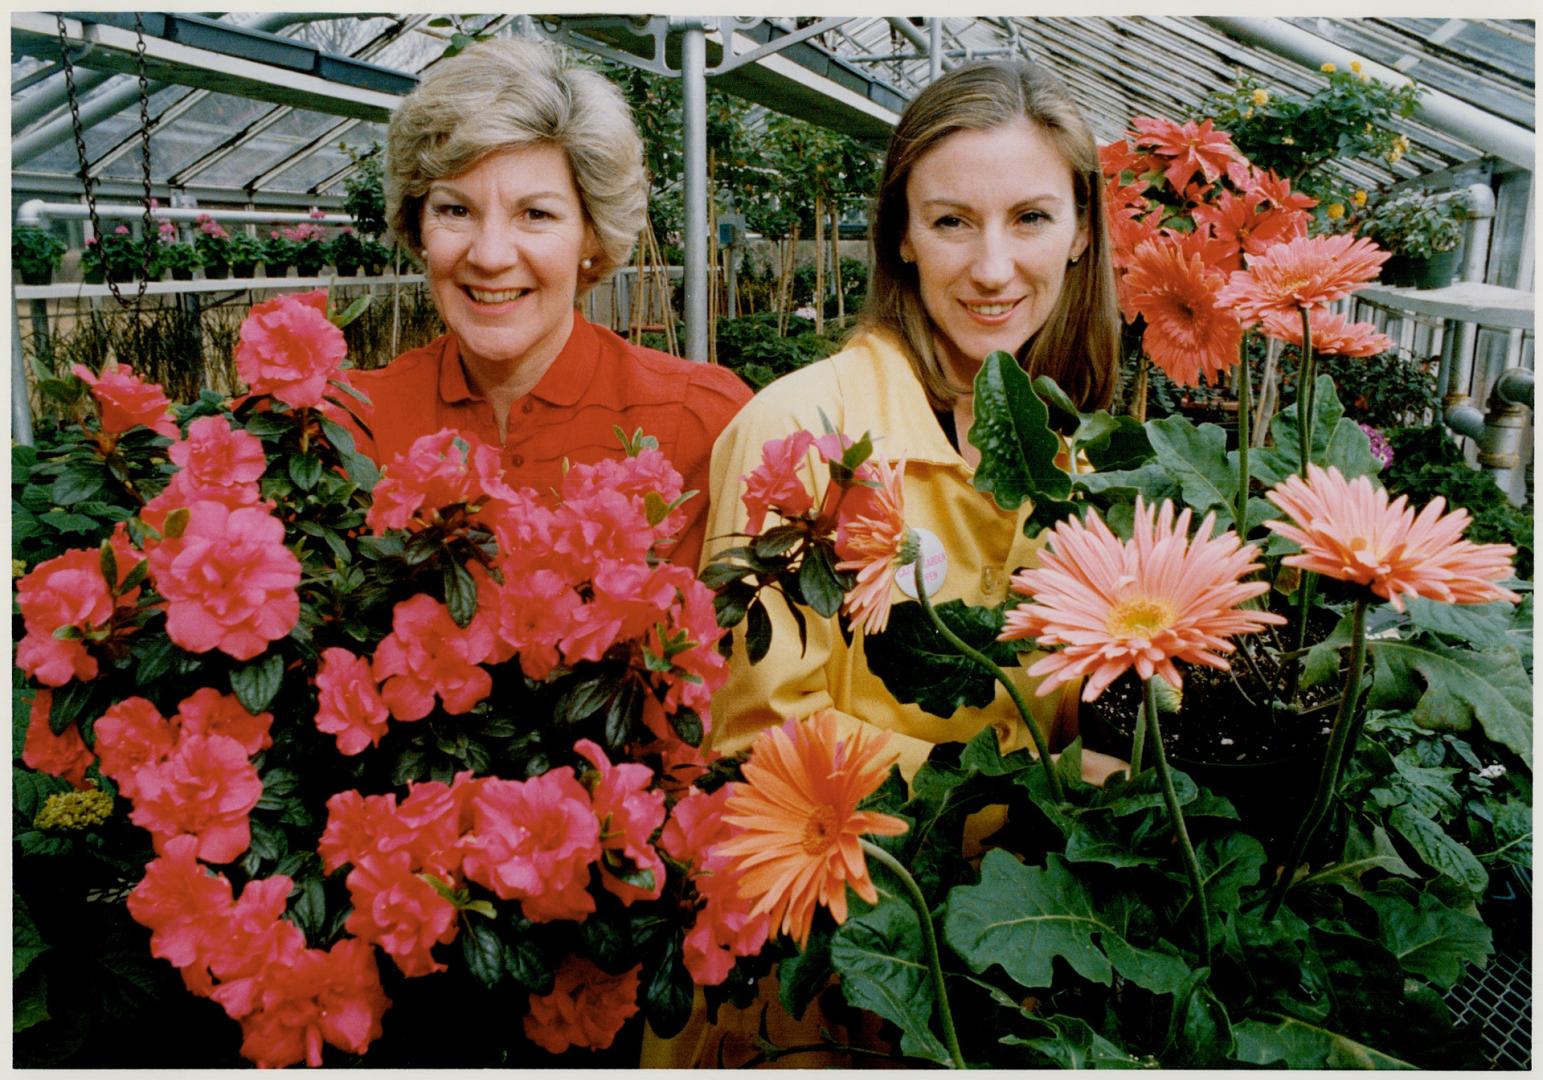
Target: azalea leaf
x,y
78,482
1488,685
1012,432
256,684
879,958
1197,457
1072,1044
1023,917
30,790
758,631
667,994
460,593
1429,938
1298,1044
917,665
26,943
483,951
29,1001
823,587
305,470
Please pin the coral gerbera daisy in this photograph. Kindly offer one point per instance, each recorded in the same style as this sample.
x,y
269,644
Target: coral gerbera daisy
x,y
872,539
1189,148
1348,529
1187,334
1303,273
1144,602
798,824
1333,334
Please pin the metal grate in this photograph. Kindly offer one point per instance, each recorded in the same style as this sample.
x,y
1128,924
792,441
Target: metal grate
x,y
1498,998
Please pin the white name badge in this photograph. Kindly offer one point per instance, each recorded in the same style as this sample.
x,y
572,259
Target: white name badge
x,y
933,562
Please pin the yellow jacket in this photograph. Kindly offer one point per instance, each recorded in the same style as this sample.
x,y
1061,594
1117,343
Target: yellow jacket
x,y
869,387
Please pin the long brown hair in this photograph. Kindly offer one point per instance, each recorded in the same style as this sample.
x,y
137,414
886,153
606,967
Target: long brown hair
x,y
1078,345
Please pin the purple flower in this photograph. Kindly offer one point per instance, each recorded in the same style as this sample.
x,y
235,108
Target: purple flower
x,y
1382,450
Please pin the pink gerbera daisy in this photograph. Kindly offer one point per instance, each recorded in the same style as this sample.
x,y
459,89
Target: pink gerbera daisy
x,y
1144,602
1303,273
1348,529
1333,334
871,539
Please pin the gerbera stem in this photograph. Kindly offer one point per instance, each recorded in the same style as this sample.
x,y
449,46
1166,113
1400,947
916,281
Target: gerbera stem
x,y
1139,741
1341,744
1245,407
964,649
1176,818
930,939
1305,377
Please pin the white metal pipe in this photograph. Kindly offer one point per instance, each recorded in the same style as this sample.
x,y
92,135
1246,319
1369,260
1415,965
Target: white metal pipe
x,y
908,31
21,407
693,78
1507,141
36,212
934,48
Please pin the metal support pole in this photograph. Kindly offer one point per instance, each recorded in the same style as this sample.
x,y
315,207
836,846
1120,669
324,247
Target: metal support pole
x,y
693,63
934,49
21,407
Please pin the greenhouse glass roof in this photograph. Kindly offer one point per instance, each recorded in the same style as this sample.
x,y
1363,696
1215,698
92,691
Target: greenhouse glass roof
x,y
234,117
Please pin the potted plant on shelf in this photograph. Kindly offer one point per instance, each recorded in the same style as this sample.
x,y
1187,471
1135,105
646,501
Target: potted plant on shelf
x,y
365,196
213,244
278,253
377,257
310,249
36,253
1424,233
116,256
347,251
246,251
178,256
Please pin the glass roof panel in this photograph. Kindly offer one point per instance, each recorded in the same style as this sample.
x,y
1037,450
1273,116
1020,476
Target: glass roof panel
x,y
107,132
267,150
207,123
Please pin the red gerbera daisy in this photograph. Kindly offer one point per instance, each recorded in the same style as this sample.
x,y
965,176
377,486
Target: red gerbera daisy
x,y
1188,334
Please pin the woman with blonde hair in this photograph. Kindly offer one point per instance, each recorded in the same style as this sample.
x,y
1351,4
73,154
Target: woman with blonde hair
x,y
989,234
517,178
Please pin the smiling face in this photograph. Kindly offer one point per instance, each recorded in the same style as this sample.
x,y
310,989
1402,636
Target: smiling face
x,y
503,241
991,225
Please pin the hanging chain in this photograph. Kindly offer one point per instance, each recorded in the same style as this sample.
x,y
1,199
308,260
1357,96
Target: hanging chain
x,y
86,179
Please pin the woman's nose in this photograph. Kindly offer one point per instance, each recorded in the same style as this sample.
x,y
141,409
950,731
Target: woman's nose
x,y
992,267
494,247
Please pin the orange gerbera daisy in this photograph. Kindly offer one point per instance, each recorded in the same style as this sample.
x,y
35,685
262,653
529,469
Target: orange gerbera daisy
x,y
871,539
1190,147
1303,273
1188,334
1349,530
796,812
1248,228
1142,602
1333,334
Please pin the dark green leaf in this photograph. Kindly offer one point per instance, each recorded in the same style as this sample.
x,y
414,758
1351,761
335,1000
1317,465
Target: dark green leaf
x,y
1364,852
483,951
1197,457
30,790
778,540
819,582
583,699
758,632
668,993
1298,1044
78,482
1072,1044
460,593
1488,685
310,907
1012,432
880,960
608,941
304,470
917,665
1429,938
731,602
528,964
803,975
269,423
26,943
342,318
1440,852
687,725
1023,917
1473,624
257,683
29,1006
268,843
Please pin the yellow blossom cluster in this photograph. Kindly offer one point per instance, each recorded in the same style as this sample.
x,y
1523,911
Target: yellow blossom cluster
x,y
1400,148
1336,211
1261,97
1359,198
1328,69
74,810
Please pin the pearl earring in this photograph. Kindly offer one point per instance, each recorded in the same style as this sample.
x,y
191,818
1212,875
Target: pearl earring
x,y
587,263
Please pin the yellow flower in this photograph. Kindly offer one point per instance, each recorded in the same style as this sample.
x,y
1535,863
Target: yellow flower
x,y
1336,211
1287,140
1355,66
1393,155
1359,198
1328,69
18,568
1402,143
74,810
1366,78
1261,97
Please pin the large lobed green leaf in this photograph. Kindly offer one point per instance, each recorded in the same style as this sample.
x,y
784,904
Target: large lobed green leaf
x,y
1463,685
1012,433
880,958
1197,458
917,665
1297,1044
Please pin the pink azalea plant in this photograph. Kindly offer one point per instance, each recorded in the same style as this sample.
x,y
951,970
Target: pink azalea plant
x,y
375,737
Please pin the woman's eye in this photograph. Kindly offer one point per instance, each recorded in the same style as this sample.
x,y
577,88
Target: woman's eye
x,y
535,213
948,221
450,210
1033,217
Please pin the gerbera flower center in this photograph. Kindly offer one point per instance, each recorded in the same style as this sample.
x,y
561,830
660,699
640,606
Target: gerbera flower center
x,y
1140,617
820,831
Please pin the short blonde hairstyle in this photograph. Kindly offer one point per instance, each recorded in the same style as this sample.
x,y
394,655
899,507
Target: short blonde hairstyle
x,y
509,93
1078,345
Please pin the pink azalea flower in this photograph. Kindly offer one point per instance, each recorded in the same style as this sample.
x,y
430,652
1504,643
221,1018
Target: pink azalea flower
x,y
185,908
290,350
130,735
205,788
65,754
209,712
427,654
586,1007
213,455
256,938
776,483
69,591
127,401
398,911
533,841
629,813
228,580
447,468
349,704
322,998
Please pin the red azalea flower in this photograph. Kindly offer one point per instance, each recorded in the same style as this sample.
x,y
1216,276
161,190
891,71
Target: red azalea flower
x,y
290,350
228,580
67,591
427,654
348,703
776,484
432,820
691,618
533,841
586,1008
256,938
65,754
397,910
127,401
724,927
209,712
527,614
600,528
185,908
206,788
629,597
629,813
130,735
332,997
445,469
355,826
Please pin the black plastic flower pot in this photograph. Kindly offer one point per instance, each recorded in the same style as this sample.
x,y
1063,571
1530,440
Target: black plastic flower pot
x,y
1412,272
